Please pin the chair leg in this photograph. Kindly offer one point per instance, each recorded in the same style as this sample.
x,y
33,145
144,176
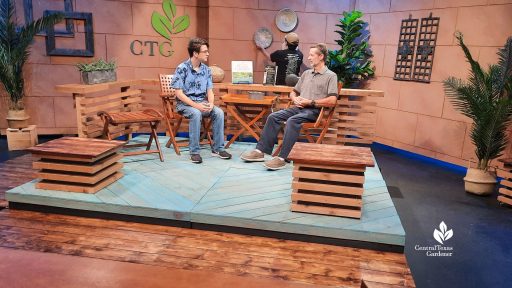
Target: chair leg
x,y
106,132
278,149
150,141
154,135
207,130
172,140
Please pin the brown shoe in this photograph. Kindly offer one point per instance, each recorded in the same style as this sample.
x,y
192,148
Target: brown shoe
x,y
275,164
253,156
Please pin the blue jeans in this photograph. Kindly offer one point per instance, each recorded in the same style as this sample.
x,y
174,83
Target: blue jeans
x,y
194,127
294,118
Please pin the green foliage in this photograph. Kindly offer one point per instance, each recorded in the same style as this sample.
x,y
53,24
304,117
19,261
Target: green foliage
x,y
168,24
352,62
485,98
98,65
15,44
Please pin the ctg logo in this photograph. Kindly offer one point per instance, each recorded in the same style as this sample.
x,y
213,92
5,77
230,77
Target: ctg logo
x,y
166,25
442,234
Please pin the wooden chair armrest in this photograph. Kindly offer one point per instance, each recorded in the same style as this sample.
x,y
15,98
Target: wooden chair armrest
x,y
318,121
168,96
105,115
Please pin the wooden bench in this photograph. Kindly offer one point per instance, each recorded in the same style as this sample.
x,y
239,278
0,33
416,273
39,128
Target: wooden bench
x,y
328,179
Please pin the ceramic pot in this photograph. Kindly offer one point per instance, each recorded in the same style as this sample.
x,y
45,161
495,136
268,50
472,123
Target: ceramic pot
x,y
291,80
217,74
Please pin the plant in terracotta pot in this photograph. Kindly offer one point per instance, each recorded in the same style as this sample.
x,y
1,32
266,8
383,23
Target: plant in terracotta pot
x,y
351,62
99,71
15,44
485,97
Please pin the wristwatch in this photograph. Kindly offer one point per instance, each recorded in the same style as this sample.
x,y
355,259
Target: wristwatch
x,y
313,103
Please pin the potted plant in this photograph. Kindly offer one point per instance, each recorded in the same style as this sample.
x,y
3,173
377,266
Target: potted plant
x,y
352,62
485,98
98,71
15,44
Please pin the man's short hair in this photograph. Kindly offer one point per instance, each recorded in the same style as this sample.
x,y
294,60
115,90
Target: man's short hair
x,y
194,45
322,50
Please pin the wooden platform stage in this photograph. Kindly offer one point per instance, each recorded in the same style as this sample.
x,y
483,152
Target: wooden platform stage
x,y
227,195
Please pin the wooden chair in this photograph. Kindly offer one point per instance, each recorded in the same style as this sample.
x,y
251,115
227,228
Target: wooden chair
x,y
149,116
173,119
314,132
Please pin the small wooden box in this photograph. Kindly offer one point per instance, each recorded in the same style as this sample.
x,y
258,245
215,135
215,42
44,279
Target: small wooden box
x,y
328,179
20,139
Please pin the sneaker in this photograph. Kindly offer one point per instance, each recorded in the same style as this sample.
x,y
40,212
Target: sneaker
x,y
221,154
275,164
253,156
196,158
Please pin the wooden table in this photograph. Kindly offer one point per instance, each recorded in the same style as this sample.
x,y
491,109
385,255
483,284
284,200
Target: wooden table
x,y
77,164
234,106
328,179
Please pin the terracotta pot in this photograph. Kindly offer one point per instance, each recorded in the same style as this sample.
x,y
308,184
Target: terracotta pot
x,y
291,80
479,182
17,119
217,74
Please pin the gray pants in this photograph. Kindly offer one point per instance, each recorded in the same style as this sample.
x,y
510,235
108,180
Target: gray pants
x,y
294,118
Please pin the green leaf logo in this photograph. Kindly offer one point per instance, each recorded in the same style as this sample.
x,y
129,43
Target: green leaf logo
x,y
169,24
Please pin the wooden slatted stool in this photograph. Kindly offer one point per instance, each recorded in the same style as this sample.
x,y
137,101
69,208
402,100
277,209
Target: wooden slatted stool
x,y
328,179
150,116
73,164
505,191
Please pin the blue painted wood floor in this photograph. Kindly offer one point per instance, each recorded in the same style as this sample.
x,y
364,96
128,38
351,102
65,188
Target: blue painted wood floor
x,y
224,192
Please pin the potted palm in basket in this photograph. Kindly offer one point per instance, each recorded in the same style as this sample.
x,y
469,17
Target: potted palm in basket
x,y
485,98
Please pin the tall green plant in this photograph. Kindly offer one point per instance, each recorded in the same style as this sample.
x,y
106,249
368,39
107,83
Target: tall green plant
x,y
15,49
485,98
352,62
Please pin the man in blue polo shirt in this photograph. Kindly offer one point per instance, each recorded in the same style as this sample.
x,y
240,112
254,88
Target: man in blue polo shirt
x,y
193,84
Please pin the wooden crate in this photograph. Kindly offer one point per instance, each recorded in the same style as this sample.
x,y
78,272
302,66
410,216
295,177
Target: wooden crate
x,y
320,189
20,139
505,190
77,164
328,179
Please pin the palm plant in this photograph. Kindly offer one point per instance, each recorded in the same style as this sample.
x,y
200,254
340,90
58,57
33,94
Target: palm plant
x,y
352,62
485,98
15,44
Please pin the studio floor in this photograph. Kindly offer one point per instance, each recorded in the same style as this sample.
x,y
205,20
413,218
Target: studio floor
x,y
231,194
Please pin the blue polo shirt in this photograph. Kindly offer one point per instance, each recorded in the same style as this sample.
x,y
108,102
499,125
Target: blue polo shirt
x,y
193,83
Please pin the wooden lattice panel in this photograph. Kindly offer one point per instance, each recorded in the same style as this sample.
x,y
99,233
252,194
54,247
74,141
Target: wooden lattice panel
x,y
424,57
355,117
505,190
405,52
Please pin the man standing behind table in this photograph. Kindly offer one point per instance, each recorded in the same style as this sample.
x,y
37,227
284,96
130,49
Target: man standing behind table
x,y
194,89
316,87
288,60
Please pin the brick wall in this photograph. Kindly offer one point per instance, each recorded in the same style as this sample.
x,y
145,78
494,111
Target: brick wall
x,y
412,116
